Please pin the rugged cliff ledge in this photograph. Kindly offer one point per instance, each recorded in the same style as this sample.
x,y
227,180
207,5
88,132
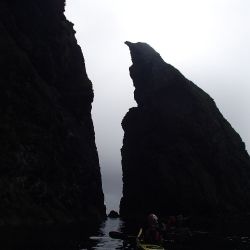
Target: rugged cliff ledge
x,y
179,154
49,169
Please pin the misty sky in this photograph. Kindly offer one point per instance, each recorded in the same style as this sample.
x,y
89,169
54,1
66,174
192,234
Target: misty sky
x,y
207,40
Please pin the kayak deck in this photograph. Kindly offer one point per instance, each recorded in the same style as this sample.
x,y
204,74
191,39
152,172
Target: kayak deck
x,y
144,246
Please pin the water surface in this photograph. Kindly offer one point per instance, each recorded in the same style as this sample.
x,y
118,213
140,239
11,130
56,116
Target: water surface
x,y
199,240
102,241
87,238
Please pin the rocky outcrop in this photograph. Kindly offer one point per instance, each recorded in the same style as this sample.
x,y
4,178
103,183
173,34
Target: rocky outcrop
x,y
179,154
49,169
113,214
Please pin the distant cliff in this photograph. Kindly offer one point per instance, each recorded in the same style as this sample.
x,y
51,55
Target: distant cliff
x,y
179,154
49,169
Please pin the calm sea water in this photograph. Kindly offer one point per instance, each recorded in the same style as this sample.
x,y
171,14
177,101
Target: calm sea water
x,y
211,241
81,239
102,241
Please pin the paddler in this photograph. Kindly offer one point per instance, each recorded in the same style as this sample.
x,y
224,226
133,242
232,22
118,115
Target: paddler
x,y
151,233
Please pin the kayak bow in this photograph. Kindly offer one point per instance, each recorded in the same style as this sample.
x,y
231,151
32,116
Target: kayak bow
x,y
144,246
140,244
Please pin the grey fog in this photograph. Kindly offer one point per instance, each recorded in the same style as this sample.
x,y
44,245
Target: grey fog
x,y
207,40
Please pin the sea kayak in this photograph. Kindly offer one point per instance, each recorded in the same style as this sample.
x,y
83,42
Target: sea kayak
x,y
140,244
144,246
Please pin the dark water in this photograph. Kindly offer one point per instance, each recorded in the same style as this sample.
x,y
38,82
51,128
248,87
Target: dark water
x,y
199,240
102,241
83,238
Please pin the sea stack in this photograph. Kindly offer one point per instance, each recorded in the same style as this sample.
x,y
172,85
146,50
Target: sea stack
x,y
49,168
179,154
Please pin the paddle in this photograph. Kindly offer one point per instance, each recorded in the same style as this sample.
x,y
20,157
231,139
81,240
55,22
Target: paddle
x,y
123,236
120,235
98,237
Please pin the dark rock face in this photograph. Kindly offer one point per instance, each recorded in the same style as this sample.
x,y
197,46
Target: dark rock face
x,y
113,214
179,154
49,169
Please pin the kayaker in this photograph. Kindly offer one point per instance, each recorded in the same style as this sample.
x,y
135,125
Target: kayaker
x,y
151,233
170,222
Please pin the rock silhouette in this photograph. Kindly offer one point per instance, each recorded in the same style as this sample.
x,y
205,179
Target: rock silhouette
x,y
113,214
179,154
49,169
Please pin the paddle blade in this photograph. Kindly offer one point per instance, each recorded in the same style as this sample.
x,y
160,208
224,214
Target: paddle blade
x,y
117,235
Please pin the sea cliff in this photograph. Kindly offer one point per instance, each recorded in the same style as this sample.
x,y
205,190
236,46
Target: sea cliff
x,y
49,168
179,154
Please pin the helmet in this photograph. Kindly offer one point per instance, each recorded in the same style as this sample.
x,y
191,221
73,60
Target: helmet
x,y
152,220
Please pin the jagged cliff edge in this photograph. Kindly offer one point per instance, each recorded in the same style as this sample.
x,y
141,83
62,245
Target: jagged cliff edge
x,y
179,154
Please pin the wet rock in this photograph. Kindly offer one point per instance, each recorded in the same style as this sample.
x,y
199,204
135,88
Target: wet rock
x,y
49,169
179,154
113,214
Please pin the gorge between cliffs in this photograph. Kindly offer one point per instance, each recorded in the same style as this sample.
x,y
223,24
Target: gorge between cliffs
x,y
179,154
